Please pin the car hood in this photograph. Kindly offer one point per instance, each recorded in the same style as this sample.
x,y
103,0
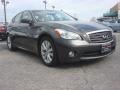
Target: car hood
x,y
78,26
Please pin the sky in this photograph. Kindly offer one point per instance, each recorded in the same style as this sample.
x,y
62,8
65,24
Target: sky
x,y
82,9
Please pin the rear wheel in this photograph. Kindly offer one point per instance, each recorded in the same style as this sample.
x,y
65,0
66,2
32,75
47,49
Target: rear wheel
x,y
10,43
48,52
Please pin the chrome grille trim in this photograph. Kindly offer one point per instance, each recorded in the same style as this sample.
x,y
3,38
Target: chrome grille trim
x,y
98,31
98,36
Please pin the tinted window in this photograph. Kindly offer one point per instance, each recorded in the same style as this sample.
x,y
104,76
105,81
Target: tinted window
x,y
27,15
51,16
17,19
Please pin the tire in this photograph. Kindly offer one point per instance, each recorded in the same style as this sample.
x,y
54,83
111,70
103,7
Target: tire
x,y
10,43
48,51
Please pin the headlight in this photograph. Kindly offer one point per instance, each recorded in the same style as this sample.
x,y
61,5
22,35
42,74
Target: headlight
x,y
67,34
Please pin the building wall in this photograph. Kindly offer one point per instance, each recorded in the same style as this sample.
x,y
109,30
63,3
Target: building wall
x,y
118,14
114,12
119,6
115,8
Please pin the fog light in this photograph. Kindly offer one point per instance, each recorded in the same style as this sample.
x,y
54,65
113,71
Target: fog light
x,y
71,54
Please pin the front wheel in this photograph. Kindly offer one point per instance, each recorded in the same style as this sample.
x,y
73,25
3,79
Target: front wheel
x,y
48,52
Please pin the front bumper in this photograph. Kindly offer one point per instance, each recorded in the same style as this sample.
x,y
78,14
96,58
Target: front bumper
x,y
82,50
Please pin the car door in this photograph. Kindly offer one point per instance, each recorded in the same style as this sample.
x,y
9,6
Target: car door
x,y
27,28
15,29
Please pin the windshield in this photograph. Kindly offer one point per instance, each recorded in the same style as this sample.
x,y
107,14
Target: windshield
x,y
42,16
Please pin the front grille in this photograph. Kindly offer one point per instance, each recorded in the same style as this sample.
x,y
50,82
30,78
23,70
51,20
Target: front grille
x,y
100,37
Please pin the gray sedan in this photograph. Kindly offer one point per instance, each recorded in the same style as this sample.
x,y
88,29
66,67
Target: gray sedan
x,y
57,37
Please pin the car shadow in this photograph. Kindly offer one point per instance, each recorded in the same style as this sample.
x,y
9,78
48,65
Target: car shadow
x,y
35,57
79,64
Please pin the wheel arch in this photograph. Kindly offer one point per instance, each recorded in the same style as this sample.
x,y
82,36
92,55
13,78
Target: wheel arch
x,y
44,35
53,42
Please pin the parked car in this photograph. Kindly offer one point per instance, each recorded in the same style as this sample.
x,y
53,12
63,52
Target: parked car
x,y
115,25
57,37
3,34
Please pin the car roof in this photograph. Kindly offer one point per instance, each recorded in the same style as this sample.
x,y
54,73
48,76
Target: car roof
x,y
40,10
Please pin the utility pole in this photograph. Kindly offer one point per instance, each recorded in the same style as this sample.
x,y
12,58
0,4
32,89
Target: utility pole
x,y
45,2
4,2
53,7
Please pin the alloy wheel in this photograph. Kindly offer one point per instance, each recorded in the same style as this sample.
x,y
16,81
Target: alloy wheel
x,y
47,51
9,42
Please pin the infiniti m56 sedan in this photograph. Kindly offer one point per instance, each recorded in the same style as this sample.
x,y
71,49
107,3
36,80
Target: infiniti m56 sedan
x,y
58,37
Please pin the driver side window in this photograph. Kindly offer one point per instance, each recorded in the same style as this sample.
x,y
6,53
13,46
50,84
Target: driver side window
x,y
17,18
27,15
